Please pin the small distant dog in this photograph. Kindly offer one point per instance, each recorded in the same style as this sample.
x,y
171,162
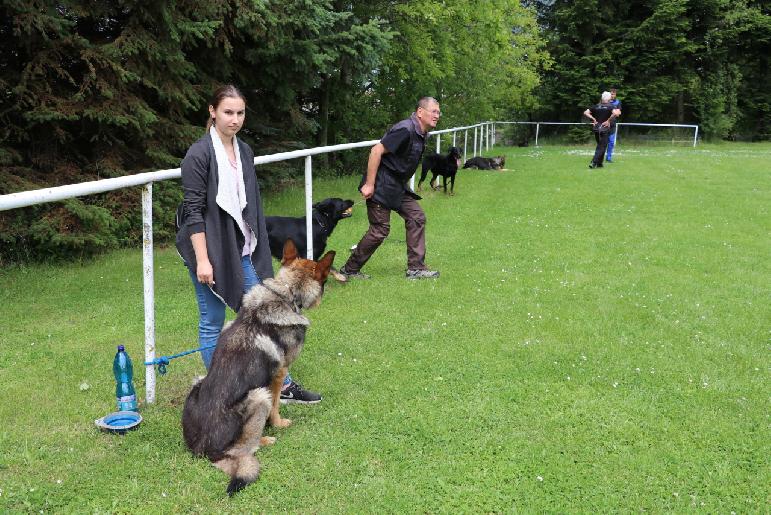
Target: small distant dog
x,y
446,166
226,411
326,214
486,163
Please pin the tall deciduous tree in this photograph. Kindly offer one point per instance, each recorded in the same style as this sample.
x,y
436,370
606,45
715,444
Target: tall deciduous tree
x,y
480,58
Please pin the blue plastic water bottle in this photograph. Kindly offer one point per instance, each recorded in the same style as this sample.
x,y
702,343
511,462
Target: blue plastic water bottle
x,y
124,385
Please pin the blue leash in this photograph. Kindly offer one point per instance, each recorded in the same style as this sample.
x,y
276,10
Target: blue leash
x,y
163,361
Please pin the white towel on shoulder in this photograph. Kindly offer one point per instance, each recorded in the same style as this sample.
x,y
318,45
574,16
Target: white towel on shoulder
x,y
231,195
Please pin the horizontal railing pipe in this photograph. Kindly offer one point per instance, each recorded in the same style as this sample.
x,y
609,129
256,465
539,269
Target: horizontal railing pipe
x,y
54,194
41,196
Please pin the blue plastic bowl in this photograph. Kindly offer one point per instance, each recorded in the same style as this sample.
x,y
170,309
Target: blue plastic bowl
x,y
119,422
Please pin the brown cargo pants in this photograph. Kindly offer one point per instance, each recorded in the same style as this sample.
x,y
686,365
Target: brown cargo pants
x,y
379,227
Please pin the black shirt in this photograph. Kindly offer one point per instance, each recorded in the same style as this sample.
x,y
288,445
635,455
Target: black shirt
x,y
405,142
601,112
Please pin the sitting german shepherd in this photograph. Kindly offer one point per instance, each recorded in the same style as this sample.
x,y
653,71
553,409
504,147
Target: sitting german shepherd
x,y
226,411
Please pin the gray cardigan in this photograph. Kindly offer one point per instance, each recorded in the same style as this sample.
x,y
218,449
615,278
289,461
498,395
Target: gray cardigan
x,y
224,240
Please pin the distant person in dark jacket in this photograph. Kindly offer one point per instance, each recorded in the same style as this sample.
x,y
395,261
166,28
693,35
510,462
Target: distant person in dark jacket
x,y
222,237
616,103
391,163
601,115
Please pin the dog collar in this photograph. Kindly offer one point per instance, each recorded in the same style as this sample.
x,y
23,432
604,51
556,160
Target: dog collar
x,y
317,217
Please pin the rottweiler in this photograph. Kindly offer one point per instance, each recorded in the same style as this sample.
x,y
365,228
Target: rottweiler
x,y
446,166
326,214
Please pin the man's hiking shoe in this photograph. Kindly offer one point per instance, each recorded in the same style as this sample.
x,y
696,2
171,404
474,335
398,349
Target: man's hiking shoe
x,y
422,274
294,393
352,275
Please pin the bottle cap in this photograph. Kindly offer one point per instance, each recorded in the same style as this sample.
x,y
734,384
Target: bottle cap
x,y
121,348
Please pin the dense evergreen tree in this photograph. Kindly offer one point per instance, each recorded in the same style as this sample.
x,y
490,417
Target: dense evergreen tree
x,y
91,89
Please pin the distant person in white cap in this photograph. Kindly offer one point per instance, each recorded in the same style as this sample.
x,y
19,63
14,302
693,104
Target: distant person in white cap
x,y
602,116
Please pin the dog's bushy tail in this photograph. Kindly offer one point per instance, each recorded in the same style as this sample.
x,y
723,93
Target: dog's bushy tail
x,y
243,471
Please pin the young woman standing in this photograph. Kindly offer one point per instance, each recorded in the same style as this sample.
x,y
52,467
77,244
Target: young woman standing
x,y
222,237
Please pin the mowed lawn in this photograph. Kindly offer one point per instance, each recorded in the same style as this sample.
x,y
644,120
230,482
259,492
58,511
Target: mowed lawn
x,y
598,341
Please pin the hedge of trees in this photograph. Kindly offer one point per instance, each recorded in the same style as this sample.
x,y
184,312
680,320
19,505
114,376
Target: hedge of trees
x,y
95,88
702,62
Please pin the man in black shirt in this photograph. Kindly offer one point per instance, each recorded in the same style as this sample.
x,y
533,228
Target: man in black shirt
x,y
602,116
391,163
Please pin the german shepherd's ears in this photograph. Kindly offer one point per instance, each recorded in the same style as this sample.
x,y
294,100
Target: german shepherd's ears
x,y
290,252
324,266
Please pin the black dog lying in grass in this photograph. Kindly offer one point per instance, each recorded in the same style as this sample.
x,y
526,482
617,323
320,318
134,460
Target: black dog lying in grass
x,y
326,214
446,166
486,163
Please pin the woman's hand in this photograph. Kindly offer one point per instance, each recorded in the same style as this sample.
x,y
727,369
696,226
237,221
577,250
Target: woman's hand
x,y
205,273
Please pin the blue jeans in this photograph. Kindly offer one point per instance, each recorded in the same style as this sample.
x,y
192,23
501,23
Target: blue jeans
x,y
212,311
611,144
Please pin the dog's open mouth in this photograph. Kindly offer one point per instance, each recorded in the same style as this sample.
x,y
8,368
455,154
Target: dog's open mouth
x,y
348,212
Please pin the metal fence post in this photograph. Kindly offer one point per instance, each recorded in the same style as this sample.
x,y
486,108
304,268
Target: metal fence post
x,y
695,135
475,141
308,207
438,144
149,290
454,133
537,130
465,144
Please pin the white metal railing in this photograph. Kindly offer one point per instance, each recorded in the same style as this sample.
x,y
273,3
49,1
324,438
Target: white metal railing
x,y
44,195
615,133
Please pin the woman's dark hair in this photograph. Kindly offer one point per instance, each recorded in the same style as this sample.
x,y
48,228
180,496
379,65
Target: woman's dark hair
x,y
227,91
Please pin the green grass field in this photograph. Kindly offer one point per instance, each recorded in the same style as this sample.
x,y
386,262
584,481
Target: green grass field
x,y
598,342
